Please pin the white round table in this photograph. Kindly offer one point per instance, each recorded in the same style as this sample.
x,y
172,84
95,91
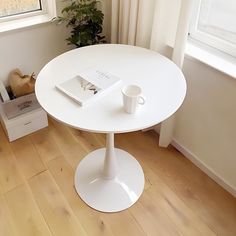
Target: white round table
x,y
110,179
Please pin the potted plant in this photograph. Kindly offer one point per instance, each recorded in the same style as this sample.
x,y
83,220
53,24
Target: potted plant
x,y
85,21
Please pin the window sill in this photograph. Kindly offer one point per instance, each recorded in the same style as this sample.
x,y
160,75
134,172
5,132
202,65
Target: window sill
x,y
212,57
24,23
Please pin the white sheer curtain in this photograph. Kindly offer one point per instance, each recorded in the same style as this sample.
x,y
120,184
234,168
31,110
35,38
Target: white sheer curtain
x,y
153,24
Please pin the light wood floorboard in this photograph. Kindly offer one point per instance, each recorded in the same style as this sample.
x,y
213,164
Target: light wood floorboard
x,y
37,195
9,172
26,216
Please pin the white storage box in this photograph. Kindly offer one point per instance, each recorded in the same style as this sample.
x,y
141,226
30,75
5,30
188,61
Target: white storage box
x,y
20,105
17,106
24,124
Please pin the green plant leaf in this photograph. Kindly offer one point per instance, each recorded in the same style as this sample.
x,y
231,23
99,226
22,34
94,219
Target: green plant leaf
x,y
85,21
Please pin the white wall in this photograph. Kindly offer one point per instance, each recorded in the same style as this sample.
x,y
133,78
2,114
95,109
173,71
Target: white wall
x,y
31,48
206,123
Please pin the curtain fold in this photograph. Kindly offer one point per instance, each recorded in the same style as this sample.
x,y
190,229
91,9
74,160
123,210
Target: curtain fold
x,y
114,21
154,24
134,6
139,22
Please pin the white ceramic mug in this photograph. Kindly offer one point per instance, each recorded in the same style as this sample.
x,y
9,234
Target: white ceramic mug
x,y
132,98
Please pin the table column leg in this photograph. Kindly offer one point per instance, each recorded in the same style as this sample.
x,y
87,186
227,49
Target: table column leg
x,y
110,162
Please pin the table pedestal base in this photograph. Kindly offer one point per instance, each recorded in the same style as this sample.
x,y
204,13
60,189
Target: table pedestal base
x,y
109,194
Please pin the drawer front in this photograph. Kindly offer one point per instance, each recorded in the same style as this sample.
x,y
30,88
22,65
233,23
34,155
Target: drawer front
x,y
27,127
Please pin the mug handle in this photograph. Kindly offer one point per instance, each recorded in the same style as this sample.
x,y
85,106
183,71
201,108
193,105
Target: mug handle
x,y
141,100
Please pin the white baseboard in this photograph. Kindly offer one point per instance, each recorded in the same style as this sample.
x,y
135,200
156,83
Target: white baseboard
x,y
206,169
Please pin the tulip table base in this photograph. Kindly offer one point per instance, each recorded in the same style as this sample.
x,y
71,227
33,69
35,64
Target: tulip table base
x,y
109,180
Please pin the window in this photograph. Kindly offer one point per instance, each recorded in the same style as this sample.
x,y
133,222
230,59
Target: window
x,y
15,7
15,14
214,23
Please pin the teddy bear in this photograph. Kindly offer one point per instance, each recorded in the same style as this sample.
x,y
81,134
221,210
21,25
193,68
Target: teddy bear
x,y
21,84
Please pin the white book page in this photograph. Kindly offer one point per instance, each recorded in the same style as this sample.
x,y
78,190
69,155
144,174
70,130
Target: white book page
x,y
100,77
88,85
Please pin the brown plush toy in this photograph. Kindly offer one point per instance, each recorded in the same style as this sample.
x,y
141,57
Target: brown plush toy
x,y
21,84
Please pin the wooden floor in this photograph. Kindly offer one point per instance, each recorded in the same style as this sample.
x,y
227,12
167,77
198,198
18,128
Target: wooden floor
x,y
37,196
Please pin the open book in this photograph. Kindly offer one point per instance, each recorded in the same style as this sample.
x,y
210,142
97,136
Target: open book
x,y
88,85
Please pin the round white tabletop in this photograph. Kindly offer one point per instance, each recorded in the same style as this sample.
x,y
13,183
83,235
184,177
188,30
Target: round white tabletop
x,y
162,82
103,183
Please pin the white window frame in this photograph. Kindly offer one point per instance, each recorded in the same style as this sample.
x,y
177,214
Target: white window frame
x,y
206,38
26,14
22,20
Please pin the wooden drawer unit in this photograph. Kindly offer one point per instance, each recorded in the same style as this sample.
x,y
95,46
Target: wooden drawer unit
x,y
24,124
